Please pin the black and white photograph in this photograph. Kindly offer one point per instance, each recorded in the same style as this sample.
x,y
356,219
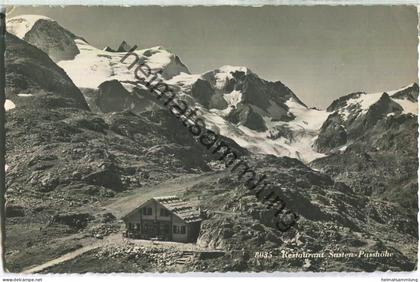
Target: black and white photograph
x,y
203,139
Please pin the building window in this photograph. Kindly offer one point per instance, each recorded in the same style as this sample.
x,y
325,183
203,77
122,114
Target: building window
x,y
179,229
164,212
147,211
130,226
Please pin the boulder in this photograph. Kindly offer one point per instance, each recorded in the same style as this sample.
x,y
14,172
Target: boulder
x,y
245,115
107,178
14,211
75,220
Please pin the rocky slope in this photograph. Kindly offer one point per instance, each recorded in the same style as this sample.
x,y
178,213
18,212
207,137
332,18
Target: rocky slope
x,y
333,218
32,77
62,157
371,140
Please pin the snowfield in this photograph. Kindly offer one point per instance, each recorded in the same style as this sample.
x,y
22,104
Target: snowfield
x,y
94,66
408,106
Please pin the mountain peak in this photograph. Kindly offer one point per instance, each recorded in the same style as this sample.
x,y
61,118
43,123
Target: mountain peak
x,y
108,49
46,34
20,25
410,93
124,47
233,69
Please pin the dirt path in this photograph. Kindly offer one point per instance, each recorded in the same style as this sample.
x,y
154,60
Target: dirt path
x,y
72,255
133,199
123,205
61,259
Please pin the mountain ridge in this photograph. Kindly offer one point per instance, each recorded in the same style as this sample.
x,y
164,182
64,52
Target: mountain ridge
x,y
259,115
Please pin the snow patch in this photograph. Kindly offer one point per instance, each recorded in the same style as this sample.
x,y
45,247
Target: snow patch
x,y
309,119
365,101
8,105
184,79
25,95
224,74
342,149
22,24
305,126
408,106
233,98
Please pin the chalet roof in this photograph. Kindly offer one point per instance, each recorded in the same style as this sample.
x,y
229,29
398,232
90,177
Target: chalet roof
x,y
180,208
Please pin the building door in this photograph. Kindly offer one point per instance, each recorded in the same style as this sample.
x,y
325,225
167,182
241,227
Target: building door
x,y
165,231
149,230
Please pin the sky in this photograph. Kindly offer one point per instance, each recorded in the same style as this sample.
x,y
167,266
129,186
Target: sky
x,y
319,52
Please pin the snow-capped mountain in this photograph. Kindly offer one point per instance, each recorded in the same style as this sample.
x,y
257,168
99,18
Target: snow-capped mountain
x,y
86,65
262,116
352,115
46,34
371,144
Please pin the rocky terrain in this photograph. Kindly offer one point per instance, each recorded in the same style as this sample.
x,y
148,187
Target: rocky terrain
x,y
373,150
81,152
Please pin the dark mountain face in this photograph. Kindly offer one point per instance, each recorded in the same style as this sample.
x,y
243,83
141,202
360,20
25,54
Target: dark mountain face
x,y
379,110
29,70
112,96
410,93
124,47
245,115
204,94
332,135
53,39
256,92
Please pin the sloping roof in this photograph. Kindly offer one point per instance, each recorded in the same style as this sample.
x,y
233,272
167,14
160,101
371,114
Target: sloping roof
x,y
180,208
